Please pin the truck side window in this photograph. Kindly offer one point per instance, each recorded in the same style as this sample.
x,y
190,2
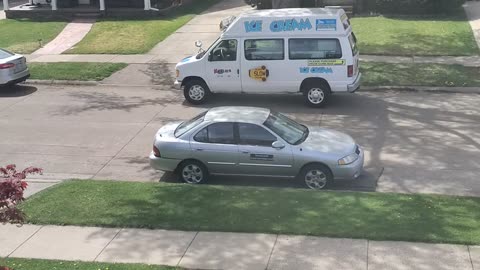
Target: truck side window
x,y
264,49
226,50
304,48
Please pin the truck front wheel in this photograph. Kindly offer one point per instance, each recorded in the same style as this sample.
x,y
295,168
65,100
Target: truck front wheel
x,y
196,92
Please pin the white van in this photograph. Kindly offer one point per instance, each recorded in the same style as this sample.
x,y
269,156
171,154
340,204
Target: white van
x,y
309,51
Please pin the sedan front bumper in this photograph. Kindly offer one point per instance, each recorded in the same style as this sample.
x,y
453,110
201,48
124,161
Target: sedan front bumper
x,y
349,171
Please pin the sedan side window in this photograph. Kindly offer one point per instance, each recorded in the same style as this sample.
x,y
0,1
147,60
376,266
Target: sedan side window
x,y
221,133
250,134
202,136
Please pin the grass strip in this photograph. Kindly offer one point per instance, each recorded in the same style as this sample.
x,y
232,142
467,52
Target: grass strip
x,y
135,36
36,264
375,216
386,74
25,36
73,71
409,35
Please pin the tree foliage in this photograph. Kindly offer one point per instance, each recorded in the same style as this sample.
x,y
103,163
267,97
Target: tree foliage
x,y
12,187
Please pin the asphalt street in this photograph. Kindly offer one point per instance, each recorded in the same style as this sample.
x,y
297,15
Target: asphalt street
x,y
414,142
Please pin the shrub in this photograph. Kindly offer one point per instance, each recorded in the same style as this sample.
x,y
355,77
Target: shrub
x,y
12,186
413,6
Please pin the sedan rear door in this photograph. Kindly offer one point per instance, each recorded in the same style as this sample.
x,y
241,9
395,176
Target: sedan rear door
x,y
216,147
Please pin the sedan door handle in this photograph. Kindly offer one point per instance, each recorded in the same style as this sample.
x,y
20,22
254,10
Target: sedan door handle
x,y
199,149
245,152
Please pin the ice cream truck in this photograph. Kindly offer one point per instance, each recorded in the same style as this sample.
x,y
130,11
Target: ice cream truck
x,y
285,51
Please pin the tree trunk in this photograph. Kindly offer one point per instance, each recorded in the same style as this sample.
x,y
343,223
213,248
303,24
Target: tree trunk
x,y
285,3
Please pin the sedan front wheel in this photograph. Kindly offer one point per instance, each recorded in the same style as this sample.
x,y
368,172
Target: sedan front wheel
x,y
316,176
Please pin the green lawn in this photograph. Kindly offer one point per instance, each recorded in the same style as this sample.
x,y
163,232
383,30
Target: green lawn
x,y
385,74
33,264
22,36
73,71
376,216
414,36
118,36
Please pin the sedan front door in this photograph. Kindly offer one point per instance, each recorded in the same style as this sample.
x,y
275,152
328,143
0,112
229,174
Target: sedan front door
x,y
258,157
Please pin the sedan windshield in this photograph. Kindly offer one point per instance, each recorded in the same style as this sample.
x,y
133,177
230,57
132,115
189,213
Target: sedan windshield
x,y
289,130
187,125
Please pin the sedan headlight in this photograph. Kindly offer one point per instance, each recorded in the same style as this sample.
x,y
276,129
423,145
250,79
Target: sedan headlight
x,y
348,159
177,73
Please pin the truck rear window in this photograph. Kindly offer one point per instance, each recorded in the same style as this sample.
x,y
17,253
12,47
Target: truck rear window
x,y
352,39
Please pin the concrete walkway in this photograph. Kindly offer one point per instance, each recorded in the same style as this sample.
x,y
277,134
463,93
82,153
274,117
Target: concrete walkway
x,y
216,250
472,9
470,61
73,33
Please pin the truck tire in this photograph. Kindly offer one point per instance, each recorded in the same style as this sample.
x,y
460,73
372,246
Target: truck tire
x,y
316,95
196,92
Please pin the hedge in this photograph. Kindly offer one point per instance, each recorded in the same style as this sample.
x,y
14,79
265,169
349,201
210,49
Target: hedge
x,y
412,6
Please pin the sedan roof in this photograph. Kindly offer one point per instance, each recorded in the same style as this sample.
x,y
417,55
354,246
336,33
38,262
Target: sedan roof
x,y
252,115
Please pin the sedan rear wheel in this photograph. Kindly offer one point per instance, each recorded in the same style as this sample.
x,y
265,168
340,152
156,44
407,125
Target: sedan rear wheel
x,y
316,176
193,172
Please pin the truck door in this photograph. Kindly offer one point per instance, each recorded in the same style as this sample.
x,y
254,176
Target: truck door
x,y
223,67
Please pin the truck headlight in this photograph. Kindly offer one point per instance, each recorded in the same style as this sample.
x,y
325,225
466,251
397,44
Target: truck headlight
x,y
348,159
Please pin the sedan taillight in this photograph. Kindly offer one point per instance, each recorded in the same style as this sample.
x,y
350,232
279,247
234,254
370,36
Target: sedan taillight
x,y
7,65
156,152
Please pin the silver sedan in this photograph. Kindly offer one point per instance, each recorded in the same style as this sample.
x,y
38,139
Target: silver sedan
x,y
13,68
251,141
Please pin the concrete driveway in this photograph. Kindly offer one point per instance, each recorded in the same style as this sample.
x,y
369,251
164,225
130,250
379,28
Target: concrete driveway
x,y
415,142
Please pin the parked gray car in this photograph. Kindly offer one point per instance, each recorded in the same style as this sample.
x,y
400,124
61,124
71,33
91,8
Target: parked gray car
x,y
252,141
13,68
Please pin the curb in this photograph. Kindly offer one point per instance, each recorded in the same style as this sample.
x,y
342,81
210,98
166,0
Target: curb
x,y
62,82
429,89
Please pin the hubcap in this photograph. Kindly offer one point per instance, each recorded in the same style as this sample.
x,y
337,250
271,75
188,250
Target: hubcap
x,y
196,92
316,179
192,174
316,95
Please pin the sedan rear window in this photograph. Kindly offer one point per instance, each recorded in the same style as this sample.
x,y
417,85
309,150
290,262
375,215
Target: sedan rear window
x,y
187,125
5,54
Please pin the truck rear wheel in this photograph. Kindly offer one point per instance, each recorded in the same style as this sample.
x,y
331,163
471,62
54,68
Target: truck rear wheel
x,y
196,92
316,95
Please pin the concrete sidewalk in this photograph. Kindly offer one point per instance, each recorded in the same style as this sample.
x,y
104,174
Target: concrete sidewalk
x,y
470,61
73,33
216,250
472,10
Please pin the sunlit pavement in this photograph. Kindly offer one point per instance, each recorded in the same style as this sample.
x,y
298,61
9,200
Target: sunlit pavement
x,y
414,142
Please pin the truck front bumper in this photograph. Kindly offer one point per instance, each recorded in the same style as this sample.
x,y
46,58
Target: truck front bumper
x,y
177,84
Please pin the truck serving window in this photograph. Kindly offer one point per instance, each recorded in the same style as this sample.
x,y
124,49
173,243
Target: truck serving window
x,y
303,48
264,49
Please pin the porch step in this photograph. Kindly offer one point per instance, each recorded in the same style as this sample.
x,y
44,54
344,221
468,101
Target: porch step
x,y
88,15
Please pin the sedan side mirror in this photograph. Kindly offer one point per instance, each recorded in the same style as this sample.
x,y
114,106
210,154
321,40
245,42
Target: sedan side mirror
x,y
198,43
278,145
